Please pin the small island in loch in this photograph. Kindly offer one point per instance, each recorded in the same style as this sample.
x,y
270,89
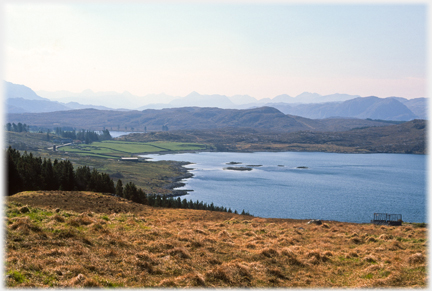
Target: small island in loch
x,y
238,168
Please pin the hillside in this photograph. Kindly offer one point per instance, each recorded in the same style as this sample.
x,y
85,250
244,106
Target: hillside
x,y
26,141
85,239
186,118
407,137
419,106
20,105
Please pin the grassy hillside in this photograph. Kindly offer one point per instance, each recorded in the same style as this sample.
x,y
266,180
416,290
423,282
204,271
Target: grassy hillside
x,y
28,141
83,239
152,177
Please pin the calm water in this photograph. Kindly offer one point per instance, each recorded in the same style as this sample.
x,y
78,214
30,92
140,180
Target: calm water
x,y
115,134
342,187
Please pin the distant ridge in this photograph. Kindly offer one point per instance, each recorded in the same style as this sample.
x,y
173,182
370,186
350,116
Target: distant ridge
x,y
20,91
360,107
186,118
22,99
20,105
196,99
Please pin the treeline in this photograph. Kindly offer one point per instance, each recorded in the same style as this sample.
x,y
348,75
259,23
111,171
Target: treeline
x,y
84,135
26,172
20,127
170,202
131,192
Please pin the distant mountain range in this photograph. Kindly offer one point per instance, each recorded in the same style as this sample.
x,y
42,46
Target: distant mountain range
x,y
21,99
109,99
245,101
361,107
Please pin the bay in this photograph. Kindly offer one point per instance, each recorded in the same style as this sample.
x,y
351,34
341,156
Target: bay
x,y
331,186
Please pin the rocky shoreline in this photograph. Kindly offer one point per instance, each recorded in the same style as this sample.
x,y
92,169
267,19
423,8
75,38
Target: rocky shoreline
x,y
175,182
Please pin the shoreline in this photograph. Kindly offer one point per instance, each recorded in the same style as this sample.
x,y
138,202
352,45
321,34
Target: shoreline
x,y
176,182
271,151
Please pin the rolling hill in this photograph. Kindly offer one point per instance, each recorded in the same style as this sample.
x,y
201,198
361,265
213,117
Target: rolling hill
x,y
407,137
21,105
186,118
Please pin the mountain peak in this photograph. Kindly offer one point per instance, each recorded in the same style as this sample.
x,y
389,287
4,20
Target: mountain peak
x,y
88,92
193,94
307,94
20,91
285,98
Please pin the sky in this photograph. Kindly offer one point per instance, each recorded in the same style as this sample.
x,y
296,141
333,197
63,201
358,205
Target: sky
x,y
259,49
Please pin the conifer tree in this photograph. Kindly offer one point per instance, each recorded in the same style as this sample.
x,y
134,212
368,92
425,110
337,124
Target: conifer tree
x,y
158,201
13,179
119,188
143,197
83,176
184,204
47,176
130,191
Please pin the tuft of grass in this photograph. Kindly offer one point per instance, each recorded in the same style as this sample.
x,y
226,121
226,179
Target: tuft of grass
x,y
417,258
368,276
17,276
269,252
422,224
218,273
370,259
59,218
182,253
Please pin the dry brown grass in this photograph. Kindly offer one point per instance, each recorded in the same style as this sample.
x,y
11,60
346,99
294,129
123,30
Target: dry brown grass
x,y
150,247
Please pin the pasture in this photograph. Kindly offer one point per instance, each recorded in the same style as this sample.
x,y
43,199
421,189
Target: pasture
x,y
116,149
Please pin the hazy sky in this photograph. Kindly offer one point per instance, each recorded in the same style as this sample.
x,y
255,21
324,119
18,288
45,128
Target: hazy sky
x,y
257,49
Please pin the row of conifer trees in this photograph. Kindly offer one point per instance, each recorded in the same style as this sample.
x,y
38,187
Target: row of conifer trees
x,y
131,192
26,172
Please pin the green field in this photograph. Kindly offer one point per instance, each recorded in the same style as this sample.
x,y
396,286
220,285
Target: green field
x,y
115,149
